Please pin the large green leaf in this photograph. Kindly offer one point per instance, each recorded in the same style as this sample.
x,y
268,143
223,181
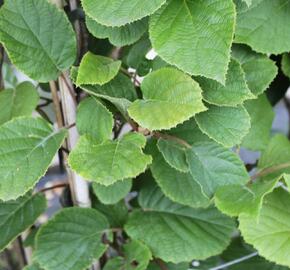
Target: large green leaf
x,y
257,26
259,70
212,166
17,216
236,199
276,153
118,36
71,240
94,119
196,36
178,233
20,101
262,116
113,193
270,235
33,266
226,125
170,98
136,257
27,147
179,187
110,161
26,32
234,92
119,12
97,69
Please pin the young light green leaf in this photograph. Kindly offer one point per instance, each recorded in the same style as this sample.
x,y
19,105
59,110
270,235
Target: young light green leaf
x,y
262,116
79,230
234,92
259,70
234,200
96,69
27,147
276,153
212,166
119,12
217,124
94,119
20,101
165,225
110,161
286,178
177,186
26,32
196,36
270,236
174,154
113,193
170,98
257,26
118,36
17,216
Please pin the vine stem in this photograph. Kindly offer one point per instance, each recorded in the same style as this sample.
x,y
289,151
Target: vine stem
x,y
171,138
236,261
270,170
161,264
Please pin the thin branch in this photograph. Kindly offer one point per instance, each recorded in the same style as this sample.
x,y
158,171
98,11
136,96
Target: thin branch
x,y
171,138
43,114
56,104
69,87
126,72
270,170
62,185
239,260
70,126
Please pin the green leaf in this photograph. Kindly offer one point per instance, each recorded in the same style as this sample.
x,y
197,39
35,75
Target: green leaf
x,y
234,92
174,154
259,70
17,216
116,214
113,193
137,257
94,119
20,101
196,36
286,178
178,233
71,240
217,124
110,161
177,186
257,26
97,69
262,116
27,147
234,200
120,91
285,65
276,153
212,166
270,236
248,2
170,98
26,32
118,36
170,266
119,12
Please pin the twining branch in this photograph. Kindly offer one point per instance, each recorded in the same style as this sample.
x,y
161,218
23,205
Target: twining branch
x,y
269,170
